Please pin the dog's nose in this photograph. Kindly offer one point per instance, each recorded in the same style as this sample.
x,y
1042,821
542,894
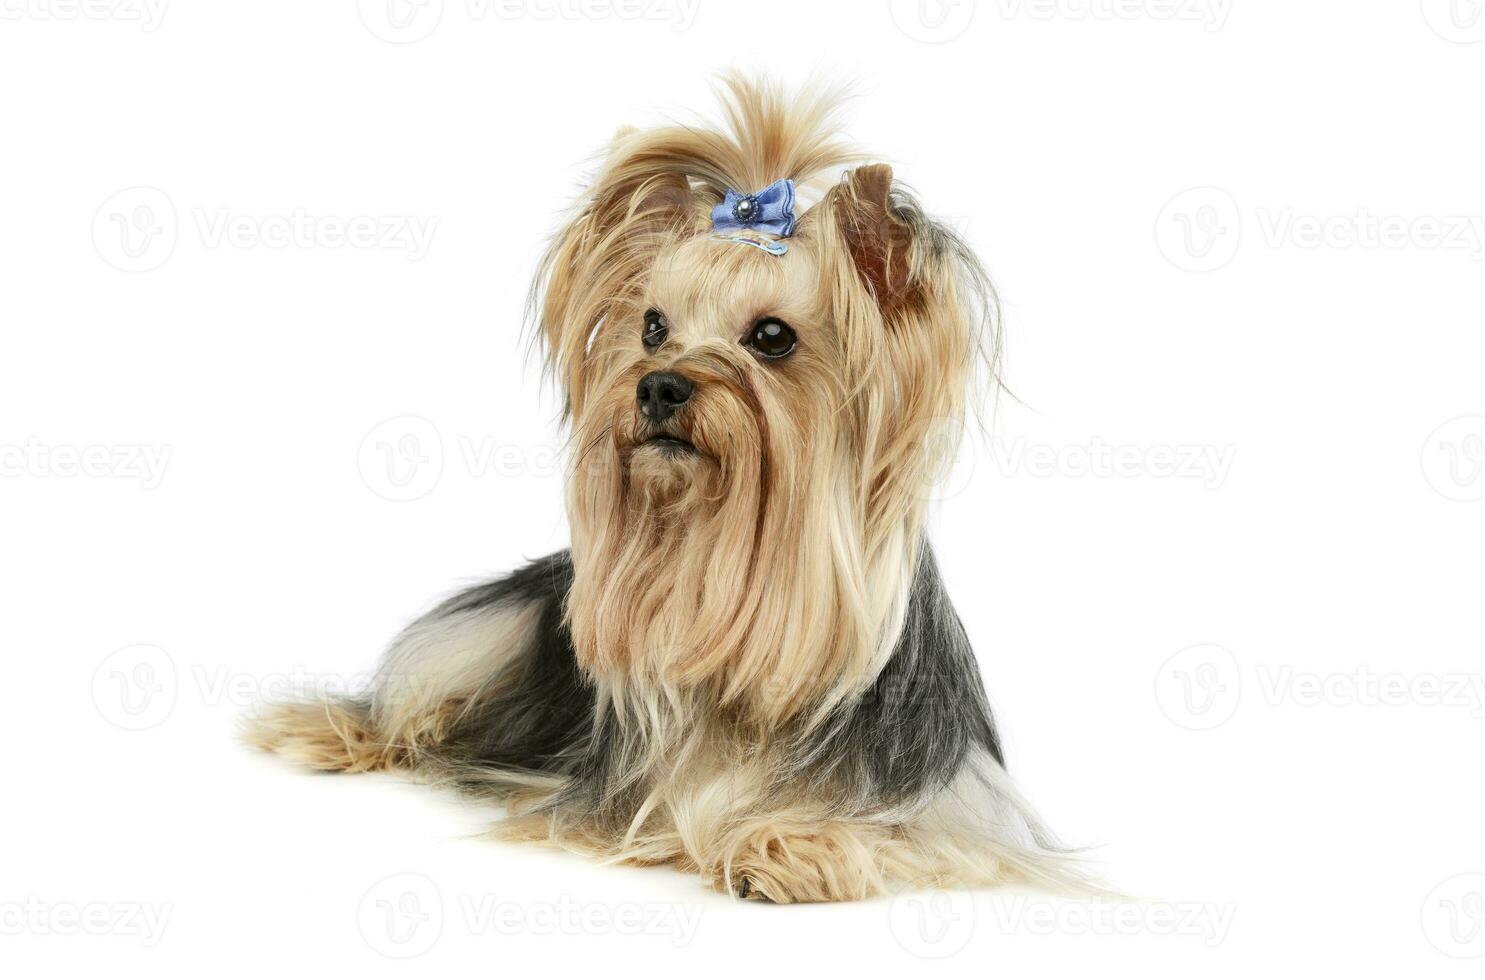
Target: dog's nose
x,y
661,393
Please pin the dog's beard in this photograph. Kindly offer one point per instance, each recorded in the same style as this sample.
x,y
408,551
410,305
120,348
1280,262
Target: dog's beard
x,y
667,477
664,535
727,571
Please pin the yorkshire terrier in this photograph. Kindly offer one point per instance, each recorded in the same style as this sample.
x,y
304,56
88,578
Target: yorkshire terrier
x,y
746,665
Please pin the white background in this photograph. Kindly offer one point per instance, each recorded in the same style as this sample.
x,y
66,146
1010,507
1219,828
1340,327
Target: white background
x,y
1311,316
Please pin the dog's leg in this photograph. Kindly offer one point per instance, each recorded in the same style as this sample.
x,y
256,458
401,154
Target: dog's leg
x,y
332,735
783,861
904,786
486,679
807,855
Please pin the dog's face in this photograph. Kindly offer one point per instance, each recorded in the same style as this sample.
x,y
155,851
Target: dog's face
x,y
754,435
721,365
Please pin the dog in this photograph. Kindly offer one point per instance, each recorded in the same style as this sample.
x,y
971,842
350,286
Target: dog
x,y
746,665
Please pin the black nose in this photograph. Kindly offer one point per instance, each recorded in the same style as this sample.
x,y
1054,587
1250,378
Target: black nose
x,y
661,393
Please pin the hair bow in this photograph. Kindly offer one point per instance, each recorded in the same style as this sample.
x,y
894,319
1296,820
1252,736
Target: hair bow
x,y
770,210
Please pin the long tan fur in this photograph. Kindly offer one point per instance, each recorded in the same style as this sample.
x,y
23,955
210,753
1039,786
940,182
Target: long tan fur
x,y
727,603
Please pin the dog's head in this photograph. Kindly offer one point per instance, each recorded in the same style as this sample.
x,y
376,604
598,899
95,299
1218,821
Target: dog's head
x,y
754,434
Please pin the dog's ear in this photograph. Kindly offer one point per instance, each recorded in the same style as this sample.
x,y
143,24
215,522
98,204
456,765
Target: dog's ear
x,y
874,232
915,317
640,199
636,189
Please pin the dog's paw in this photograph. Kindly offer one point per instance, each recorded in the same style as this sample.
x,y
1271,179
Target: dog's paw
x,y
828,863
328,736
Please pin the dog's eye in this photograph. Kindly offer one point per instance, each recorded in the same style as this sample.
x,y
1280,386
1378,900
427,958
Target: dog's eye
x,y
772,338
657,328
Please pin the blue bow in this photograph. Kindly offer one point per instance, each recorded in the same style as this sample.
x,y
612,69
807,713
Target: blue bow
x,y
770,210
